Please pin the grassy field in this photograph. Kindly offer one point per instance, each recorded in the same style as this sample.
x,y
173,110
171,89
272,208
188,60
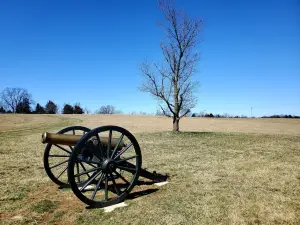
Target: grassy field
x,y
222,171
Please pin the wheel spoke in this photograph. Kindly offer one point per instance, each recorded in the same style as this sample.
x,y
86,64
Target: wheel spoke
x,y
91,164
114,182
106,187
63,156
99,141
58,164
125,159
109,142
87,171
117,145
80,163
89,181
124,150
62,172
62,148
122,177
97,186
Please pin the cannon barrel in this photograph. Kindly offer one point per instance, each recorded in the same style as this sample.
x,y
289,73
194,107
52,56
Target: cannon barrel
x,y
71,140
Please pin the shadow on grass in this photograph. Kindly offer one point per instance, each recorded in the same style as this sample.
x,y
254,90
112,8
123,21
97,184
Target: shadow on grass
x,y
130,196
141,193
183,133
194,133
197,132
142,182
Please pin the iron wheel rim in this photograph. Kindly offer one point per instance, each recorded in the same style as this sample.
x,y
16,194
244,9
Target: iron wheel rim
x,y
102,173
65,155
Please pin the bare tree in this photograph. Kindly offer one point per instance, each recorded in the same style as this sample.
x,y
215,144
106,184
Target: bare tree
x,y
108,109
87,110
171,83
13,97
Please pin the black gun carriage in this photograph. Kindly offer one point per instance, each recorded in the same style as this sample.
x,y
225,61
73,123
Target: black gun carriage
x,y
101,166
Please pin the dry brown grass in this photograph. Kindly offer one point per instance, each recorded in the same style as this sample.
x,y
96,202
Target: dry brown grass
x,y
246,177
155,123
136,124
10,122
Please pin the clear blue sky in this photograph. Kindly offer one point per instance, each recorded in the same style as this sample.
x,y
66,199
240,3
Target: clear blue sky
x,y
89,52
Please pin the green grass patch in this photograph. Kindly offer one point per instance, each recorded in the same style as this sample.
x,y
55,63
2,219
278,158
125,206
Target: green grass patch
x,y
57,216
44,206
19,195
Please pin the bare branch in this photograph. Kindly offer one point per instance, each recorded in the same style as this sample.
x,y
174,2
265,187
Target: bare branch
x,y
185,113
171,81
165,112
13,97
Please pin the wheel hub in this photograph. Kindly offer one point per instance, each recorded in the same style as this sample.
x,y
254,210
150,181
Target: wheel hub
x,y
108,165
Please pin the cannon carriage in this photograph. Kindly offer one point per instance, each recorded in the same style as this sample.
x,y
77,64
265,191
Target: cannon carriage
x,y
101,166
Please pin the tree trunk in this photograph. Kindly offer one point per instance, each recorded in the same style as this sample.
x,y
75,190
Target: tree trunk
x,y
176,124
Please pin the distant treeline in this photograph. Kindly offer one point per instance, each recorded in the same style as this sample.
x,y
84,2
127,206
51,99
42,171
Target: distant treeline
x,y
282,116
18,100
242,116
225,115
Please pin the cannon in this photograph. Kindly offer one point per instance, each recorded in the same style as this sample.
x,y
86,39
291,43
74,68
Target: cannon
x,y
101,166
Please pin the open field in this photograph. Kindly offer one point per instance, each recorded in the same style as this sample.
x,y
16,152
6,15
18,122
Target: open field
x,y
155,123
222,171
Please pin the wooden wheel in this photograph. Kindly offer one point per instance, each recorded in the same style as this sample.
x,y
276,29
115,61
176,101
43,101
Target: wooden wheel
x,y
114,166
56,157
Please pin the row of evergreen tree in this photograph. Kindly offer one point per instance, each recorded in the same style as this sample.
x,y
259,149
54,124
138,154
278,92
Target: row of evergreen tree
x,y
49,108
19,100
